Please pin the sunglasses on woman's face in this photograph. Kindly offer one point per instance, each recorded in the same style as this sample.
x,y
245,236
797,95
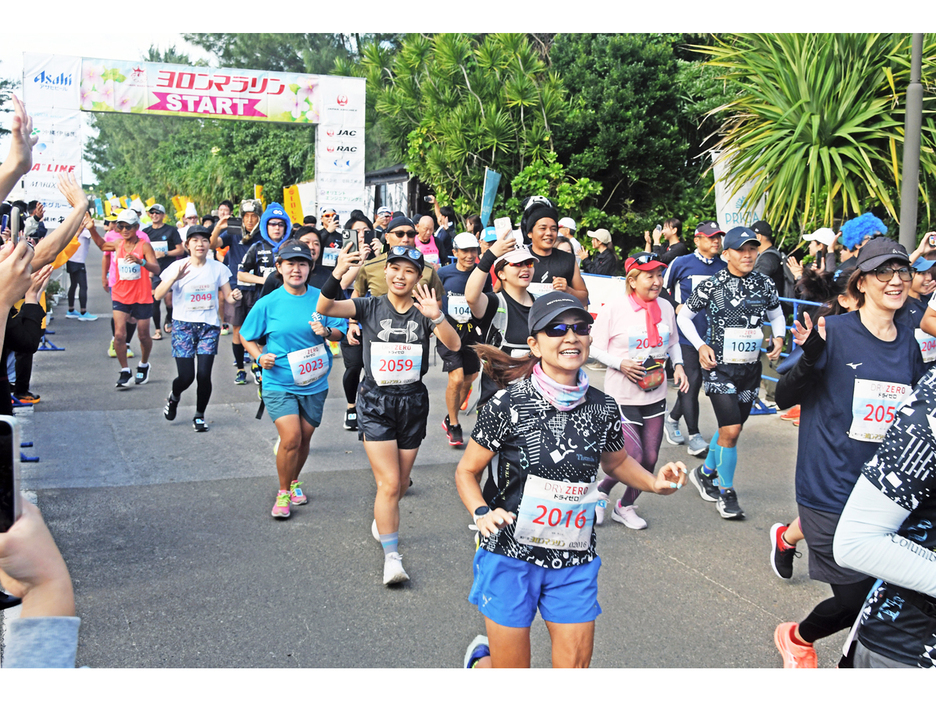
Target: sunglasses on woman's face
x,y
558,330
522,264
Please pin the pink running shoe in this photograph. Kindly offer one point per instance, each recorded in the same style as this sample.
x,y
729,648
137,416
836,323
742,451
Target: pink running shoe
x,y
295,493
281,508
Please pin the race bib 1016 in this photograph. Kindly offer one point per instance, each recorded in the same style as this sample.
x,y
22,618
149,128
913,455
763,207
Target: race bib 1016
x,y
127,270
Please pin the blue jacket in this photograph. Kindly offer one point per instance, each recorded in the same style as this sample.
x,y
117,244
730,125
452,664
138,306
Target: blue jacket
x,y
274,211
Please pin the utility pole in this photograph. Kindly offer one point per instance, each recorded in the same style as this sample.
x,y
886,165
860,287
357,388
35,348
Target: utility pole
x,y
909,195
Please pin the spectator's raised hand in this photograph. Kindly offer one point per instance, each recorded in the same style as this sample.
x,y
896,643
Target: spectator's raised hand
x,y
15,272
23,140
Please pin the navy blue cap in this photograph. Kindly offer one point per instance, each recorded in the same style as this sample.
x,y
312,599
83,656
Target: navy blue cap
x,y
738,237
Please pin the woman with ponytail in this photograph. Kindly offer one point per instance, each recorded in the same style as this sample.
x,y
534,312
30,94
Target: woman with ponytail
x,y
633,338
551,432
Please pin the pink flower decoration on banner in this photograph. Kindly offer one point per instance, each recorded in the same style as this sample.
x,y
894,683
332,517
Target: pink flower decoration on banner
x,y
306,89
92,77
107,93
87,97
124,102
298,107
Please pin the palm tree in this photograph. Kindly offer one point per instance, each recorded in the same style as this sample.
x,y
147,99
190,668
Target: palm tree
x,y
816,121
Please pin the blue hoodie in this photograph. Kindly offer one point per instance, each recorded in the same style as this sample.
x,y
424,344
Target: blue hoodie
x,y
274,211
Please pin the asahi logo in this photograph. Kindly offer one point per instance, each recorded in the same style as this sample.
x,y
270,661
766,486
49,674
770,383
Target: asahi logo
x,y
62,81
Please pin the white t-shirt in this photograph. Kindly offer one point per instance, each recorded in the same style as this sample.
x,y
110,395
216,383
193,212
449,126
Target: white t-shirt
x,y
195,295
81,253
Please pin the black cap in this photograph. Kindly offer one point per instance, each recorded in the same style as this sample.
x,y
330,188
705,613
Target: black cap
x,y
536,208
294,249
399,219
708,228
761,227
738,237
880,250
405,253
197,230
549,306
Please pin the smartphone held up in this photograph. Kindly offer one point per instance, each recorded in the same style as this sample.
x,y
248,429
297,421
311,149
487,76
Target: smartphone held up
x,y
10,506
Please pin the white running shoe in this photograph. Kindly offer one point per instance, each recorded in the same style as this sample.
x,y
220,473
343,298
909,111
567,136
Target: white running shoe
x,y
600,508
628,517
393,572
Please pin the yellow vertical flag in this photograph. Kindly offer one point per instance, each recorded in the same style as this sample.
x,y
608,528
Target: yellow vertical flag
x,y
124,202
293,203
150,202
107,208
258,195
177,203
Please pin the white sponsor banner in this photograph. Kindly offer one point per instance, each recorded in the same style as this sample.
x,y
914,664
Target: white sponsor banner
x,y
57,151
307,198
732,210
343,101
51,81
603,290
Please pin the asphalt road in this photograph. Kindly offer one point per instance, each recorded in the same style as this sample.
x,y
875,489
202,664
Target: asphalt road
x,y
177,562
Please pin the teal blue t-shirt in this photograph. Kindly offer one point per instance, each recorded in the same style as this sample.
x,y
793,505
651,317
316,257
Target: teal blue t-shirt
x,y
303,358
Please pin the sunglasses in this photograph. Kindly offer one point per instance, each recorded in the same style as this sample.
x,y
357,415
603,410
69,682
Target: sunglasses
x,y
124,225
558,330
522,264
885,273
276,223
645,258
412,254
404,232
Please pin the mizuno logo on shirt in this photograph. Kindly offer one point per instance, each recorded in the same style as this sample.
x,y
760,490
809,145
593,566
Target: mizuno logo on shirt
x,y
854,366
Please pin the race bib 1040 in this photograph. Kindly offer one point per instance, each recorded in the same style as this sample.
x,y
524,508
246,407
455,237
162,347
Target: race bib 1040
x,y
556,514
874,404
458,308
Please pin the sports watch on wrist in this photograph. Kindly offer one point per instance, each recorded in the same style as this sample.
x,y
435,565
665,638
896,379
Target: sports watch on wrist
x,y
480,512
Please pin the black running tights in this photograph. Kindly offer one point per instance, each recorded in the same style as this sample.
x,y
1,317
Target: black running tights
x,y
687,403
187,375
836,613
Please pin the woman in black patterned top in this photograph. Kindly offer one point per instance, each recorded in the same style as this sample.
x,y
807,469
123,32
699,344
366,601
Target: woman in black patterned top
x,y
551,432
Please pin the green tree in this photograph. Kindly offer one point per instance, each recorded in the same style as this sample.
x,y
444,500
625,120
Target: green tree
x,y
451,104
817,121
634,125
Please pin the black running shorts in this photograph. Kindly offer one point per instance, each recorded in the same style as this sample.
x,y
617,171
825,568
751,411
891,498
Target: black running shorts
x,y
385,416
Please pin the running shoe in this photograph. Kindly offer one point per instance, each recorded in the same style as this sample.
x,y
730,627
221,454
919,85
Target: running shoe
x,y
781,553
86,317
600,506
350,419
478,648
71,314
671,430
130,353
27,398
169,411
728,506
241,377
124,378
628,516
794,655
697,446
281,508
142,375
295,493
199,424
393,572
464,405
791,414
707,486
257,373
454,434
225,329
111,351
796,422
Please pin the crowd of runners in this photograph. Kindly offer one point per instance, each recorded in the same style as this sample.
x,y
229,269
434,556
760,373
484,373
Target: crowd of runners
x,y
508,307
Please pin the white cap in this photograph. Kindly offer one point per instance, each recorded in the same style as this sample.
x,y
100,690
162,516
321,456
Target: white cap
x,y
465,240
567,222
823,235
138,205
128,216
190,210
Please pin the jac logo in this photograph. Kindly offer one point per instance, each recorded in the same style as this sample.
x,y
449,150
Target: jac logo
x,y
342,100
345,133
62,80
349,149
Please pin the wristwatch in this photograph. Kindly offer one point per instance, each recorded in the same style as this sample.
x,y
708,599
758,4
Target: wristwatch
x,y
480,512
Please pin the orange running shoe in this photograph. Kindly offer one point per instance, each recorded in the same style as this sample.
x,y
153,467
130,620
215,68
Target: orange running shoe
x,y
792,414
794,655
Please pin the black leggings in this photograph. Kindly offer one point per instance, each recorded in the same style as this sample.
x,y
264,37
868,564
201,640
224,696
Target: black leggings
x,y
23,365
687,403
187,375
130,327
836,613
728,411
353,359
78,277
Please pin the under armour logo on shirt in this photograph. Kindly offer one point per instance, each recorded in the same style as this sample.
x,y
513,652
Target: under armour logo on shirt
x,y
388,330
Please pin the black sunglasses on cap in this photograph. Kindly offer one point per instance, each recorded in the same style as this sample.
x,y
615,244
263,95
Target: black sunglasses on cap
x,y
646,257
414,254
